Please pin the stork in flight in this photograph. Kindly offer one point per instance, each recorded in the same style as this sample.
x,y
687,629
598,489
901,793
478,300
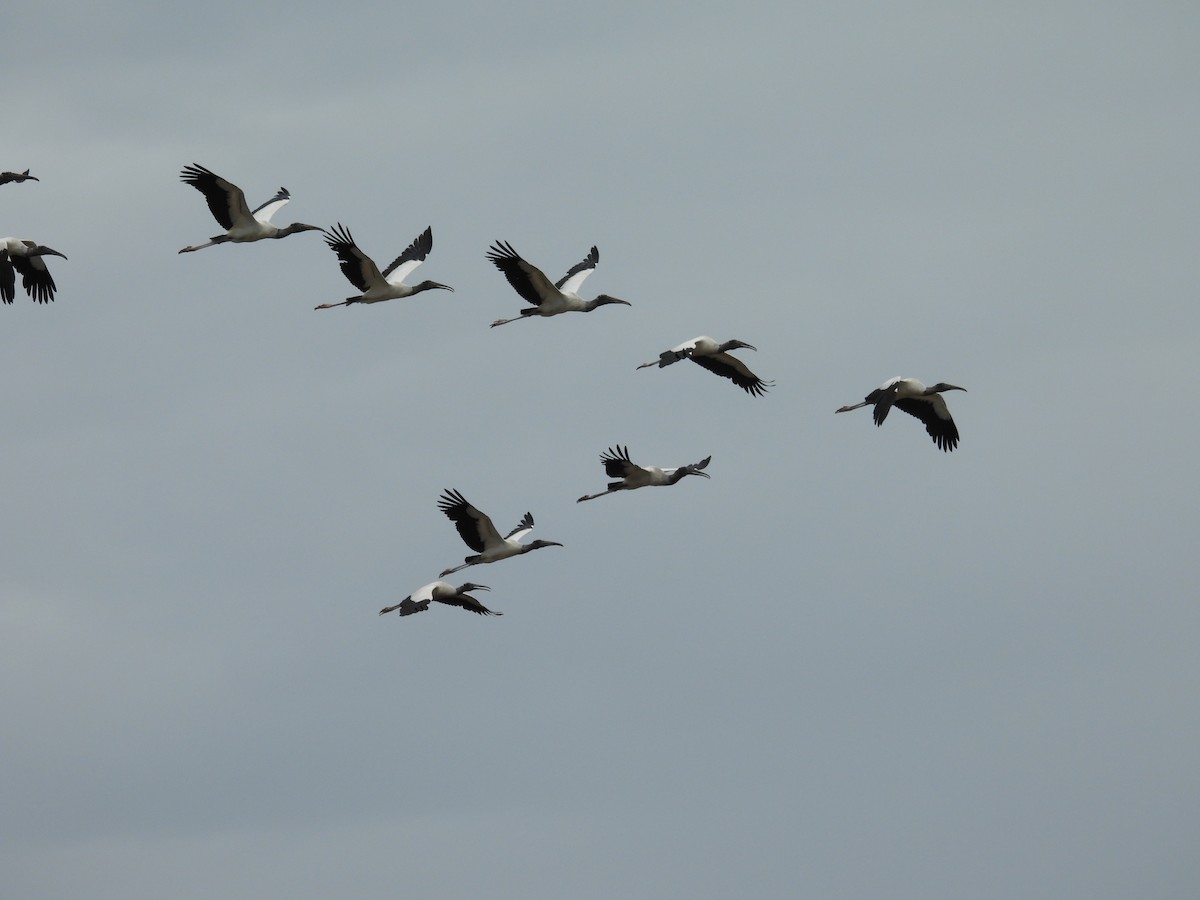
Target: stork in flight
x,y
632,476
706,352
362,272
17,255
18,177
480,534
535,288
926,403
442,592
228,206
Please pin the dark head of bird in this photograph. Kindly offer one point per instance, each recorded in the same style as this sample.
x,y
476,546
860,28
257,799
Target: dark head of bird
x,y
41,250
297,227
471,586
431,286
941,386
604,300
735,345
693,469
538,544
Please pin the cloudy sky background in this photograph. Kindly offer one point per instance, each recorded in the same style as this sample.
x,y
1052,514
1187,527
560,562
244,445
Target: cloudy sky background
x,y
848,665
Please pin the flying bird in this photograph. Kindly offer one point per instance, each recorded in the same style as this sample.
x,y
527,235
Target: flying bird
x,y
480,534
228,206
362,272
17,255
18,177
926,403
706,352
534,287
632,476
442,592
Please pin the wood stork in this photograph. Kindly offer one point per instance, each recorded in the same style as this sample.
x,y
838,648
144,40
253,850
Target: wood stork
x,y
17,255
362,272
534,287
480,534
442,592
18,177
706,352
926,403
228,206
632,476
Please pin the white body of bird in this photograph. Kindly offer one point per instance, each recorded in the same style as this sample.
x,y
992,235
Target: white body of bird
x,y
360,270
26,257
478,533
442,592
548,298
919,401
228,206
707,353
631,476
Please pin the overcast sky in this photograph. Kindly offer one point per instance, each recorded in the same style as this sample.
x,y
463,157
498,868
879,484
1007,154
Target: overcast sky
x,y
849,665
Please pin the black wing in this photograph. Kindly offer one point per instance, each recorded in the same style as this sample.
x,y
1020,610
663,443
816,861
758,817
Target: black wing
x,y
8,279
587,264
282,194
728,366
526,522
350,258
883,398
415,252
941,428
35,278
617,463
222,196
526,279
469,603
472,525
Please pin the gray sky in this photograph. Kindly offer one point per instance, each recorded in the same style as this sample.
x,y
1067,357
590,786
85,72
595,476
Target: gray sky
x,y
847,666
